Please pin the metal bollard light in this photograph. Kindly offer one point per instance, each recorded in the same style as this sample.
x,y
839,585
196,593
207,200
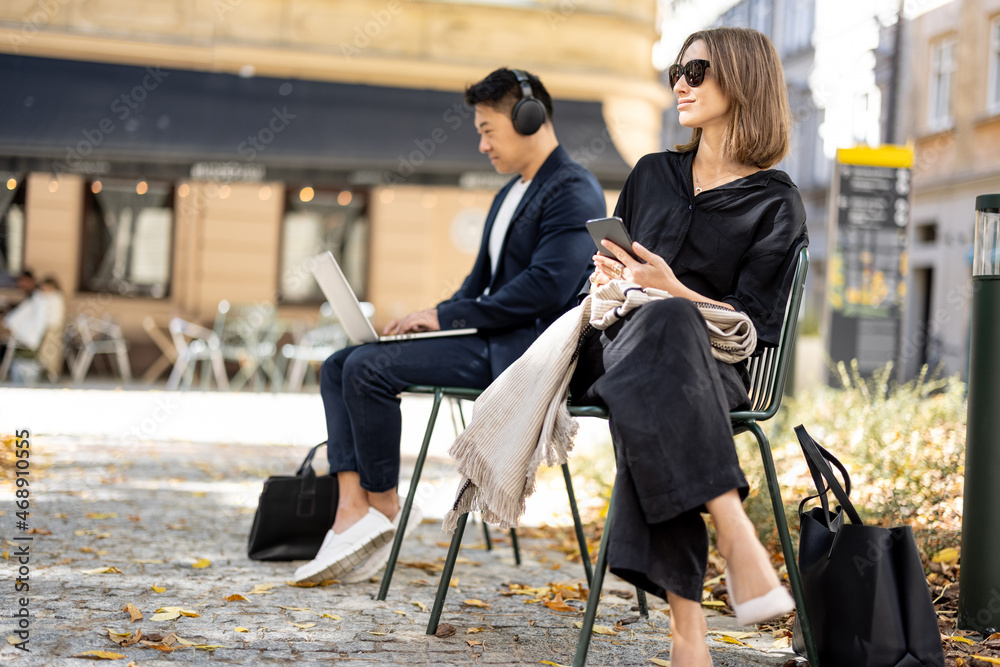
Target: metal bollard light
x,y
979,585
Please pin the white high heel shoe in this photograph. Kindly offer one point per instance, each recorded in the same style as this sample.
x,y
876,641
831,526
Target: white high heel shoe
x,y
776,602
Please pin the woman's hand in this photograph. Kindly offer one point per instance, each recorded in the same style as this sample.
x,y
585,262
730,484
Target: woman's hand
x,y
654,273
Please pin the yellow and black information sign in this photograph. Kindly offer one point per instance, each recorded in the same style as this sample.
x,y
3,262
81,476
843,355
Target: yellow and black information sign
x,y
867,267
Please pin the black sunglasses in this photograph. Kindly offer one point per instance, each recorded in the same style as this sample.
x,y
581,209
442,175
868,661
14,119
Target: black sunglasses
x,y
694,72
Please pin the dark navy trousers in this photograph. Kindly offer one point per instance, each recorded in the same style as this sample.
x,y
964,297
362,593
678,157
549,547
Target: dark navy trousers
x,y
360,387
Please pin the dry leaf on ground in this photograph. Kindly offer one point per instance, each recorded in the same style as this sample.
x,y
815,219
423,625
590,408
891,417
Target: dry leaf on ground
x,y
99,655
133,611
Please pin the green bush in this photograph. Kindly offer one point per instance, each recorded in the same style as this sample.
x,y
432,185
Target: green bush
x,y
903,445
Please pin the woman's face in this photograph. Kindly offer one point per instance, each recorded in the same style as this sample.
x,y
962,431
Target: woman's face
x,y
705,106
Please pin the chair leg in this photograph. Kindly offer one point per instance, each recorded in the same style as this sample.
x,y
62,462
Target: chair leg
x,y
581,539
410,495
486,536
786,542
640,596
449,568
594,599
517,548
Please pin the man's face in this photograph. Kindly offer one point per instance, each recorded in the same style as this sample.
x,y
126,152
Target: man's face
x,y
499,140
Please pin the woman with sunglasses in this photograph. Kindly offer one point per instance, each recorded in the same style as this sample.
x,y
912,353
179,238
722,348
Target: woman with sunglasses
x,y
713,222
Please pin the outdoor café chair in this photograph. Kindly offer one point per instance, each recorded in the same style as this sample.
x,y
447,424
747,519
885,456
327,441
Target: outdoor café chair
x,y
98,336
767,374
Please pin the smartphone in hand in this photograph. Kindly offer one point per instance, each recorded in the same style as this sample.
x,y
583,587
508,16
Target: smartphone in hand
x,y
612,229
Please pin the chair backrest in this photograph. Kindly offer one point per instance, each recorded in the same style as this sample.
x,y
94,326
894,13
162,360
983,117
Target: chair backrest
x,y
768,370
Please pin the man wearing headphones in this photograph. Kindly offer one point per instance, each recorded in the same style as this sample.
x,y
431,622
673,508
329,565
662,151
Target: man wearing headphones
x,y
533,259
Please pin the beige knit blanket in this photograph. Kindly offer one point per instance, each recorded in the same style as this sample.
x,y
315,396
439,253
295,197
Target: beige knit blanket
x,y
521,420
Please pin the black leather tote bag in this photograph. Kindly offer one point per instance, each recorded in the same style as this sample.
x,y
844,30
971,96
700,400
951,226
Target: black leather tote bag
x,y
865,591
293,514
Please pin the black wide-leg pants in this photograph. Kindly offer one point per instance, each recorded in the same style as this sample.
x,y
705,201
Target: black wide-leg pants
x,y
669,401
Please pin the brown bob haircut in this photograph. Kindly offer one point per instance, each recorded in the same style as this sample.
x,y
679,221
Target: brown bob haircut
x,y
750,75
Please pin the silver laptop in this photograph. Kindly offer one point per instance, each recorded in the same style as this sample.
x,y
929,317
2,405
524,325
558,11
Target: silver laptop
x,y
345,304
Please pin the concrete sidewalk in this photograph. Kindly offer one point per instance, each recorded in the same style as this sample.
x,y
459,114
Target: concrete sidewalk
x,y
152,510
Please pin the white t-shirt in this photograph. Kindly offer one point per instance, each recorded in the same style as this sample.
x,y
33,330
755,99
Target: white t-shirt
x,y
502,222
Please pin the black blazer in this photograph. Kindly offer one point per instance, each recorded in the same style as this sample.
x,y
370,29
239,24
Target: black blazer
x,y
544,259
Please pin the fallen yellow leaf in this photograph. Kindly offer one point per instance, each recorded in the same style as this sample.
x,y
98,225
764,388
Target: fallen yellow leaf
x,y
99,655
304,626
294,608
949,555
985,659
133,611
241,630
549,662
236,597
471,631
165,616
726,639
333,616
557,604
401,613
200,563
102,570
453,583
419,604
960,639
261,588
660,662
378,634
782,642
471,642
157,589
476,603
101,515
147,561
598,629
712,603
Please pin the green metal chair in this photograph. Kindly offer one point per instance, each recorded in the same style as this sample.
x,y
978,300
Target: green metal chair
x,y
458,393
767,372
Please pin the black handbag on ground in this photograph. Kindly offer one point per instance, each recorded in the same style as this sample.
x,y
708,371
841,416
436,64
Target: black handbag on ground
x,y
865,591
293,514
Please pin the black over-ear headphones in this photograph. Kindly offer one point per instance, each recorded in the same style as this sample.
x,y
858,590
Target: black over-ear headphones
x,y
529,113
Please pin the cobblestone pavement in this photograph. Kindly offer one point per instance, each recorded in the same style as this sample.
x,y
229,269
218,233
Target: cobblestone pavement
x,y
152,511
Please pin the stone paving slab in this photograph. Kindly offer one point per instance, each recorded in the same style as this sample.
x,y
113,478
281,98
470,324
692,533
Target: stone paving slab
x,y
153,510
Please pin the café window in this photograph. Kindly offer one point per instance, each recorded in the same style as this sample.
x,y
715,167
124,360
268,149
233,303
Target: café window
x,y
13,188
316,220
128,231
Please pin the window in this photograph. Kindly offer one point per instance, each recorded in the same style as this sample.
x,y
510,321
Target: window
x,y
798,25
993,87
12,198
317,220
128,238
939,92
760,15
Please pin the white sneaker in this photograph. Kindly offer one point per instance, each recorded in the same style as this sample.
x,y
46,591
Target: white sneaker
x,y
371,565
342,552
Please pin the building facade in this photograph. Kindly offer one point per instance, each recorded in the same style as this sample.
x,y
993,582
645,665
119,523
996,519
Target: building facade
x,y
950,110
159,156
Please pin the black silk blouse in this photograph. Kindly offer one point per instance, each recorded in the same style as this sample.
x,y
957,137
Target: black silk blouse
x,y
736,243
